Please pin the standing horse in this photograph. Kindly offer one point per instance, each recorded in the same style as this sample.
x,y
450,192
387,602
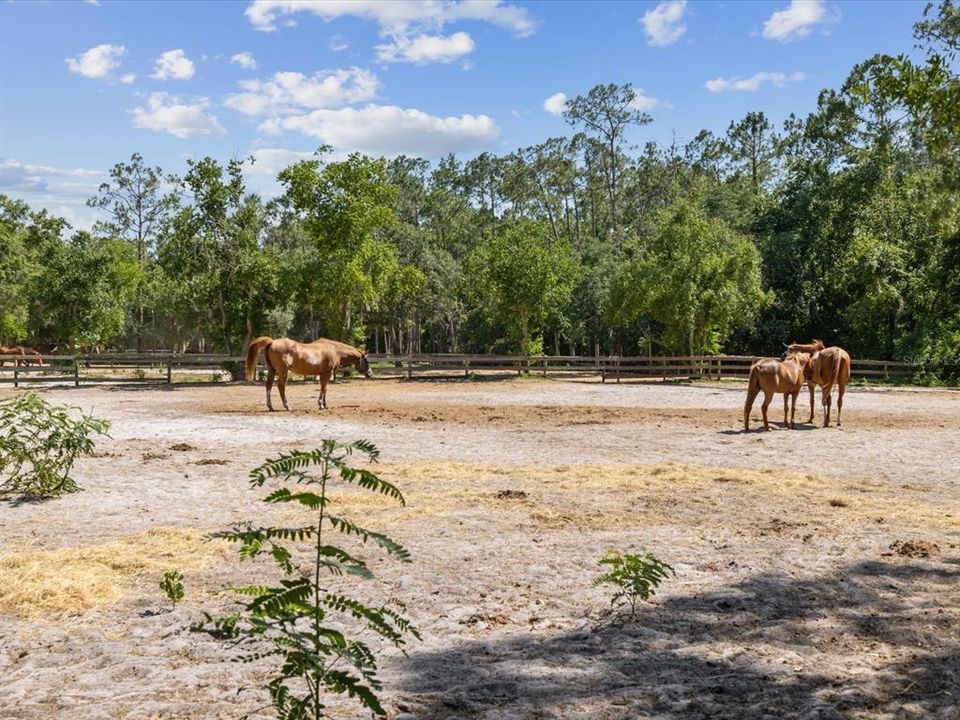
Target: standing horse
x,y
321,357
23,352
775,376
827,367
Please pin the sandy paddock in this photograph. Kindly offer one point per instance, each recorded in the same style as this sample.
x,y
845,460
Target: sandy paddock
x,y
818,571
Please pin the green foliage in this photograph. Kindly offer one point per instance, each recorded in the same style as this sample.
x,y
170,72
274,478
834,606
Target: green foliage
x,y
313,630
234,369
524,277
172,586
698,278
39,443
635,577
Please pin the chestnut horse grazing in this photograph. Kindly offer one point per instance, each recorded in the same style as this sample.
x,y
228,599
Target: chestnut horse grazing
x,y
775,376
827,367
321,357
22,352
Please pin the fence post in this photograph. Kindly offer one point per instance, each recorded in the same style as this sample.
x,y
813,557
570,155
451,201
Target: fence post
x,y
544,365
603,370
886,371
618,369
76,373
466,368
16,373
169,371
409,369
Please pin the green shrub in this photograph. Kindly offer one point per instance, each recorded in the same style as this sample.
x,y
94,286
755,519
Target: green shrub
x,y
312,630
635,577
39,443
172,585
235,368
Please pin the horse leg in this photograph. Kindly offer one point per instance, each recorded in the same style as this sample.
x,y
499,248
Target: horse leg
x,y
812,393
282,385
322,398
841,387
752,389
826,400
767,399
793,408
270,375
786,398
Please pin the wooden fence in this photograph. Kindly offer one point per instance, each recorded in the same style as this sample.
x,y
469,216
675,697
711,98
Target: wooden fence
x,y
169,368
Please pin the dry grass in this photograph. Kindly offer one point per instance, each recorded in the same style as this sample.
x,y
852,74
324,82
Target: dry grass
x,y
592,496
72,580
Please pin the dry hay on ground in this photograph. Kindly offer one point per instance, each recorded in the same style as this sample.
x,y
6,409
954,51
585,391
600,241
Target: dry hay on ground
x,y
72,580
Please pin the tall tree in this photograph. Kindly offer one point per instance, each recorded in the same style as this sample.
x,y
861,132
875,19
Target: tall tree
x,y
519,276
699,279
752,145
606,112
137,206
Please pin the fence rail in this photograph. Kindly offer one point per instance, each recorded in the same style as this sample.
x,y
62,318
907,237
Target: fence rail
x,y
127,367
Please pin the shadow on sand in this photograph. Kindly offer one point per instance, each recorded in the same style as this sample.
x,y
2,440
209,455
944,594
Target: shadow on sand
x,y
769,647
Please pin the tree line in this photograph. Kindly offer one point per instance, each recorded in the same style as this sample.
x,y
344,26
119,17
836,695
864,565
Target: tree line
x,y
844,224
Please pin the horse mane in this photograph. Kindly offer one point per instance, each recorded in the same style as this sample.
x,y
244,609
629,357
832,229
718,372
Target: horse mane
x,y
797,356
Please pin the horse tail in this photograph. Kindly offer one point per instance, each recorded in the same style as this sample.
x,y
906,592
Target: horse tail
x,y
836,368
252,353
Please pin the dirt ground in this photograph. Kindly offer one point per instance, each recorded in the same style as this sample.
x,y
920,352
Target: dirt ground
x,y
817,570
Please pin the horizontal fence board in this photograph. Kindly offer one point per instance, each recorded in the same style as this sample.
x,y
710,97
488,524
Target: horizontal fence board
x,y
160,366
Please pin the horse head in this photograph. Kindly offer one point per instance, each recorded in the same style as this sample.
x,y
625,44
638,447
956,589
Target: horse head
x,y
364,365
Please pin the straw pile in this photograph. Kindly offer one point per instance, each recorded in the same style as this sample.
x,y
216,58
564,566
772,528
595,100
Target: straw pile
x,y
73,580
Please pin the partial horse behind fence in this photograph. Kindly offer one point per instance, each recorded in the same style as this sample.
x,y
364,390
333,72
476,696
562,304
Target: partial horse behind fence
x,y
321,357
827,367
23,352
772,377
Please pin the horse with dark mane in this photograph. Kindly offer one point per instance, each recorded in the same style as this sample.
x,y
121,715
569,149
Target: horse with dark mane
x,y
772,377
321,357
828,366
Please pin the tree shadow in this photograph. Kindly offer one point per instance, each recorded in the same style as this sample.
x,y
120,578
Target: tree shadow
x,y
769,647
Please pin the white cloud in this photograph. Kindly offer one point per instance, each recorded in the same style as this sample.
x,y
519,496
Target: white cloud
x,y
753,83
173,65
61,191
391,130
15,175
663,24
127,79
555,104
244,60
166,113
643,102
398,17
289,92
424,49
270,161
338,43
795,22
97,63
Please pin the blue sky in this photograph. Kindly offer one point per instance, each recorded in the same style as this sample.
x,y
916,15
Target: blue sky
x,y
85,84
